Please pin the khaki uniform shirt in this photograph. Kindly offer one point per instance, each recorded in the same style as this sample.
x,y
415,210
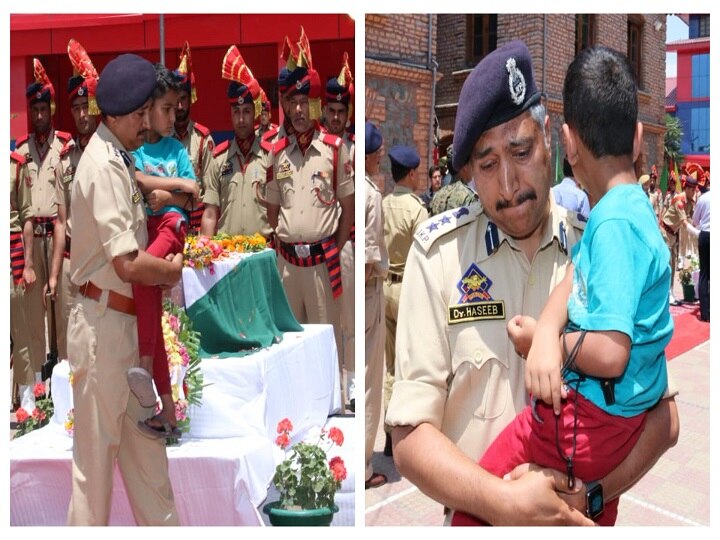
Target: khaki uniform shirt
x,y
677,211
199,145
656,201
403,212
233,185
108,211
375,250
20,195
303,187
42,172
64,175
455,366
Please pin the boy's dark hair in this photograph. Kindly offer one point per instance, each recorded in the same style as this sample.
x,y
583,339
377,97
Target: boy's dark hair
x,y
432,170
567,168
600,101
398,171
165,81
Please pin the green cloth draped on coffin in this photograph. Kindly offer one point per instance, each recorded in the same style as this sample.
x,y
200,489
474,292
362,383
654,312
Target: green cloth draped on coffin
x,y
246,310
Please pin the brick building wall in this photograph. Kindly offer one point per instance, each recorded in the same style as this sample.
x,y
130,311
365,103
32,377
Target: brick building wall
x,y
398,85
551,40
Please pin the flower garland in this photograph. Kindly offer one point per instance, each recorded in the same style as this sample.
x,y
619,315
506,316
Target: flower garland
x,y
201,251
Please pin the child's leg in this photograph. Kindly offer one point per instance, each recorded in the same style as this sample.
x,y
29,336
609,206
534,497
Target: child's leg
x,y
507,451
170,239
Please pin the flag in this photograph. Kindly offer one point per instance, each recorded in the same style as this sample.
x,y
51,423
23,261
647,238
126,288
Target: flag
x,y
664,178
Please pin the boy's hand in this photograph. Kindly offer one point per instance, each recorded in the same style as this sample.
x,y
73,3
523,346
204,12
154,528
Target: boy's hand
x,y
520,330
157,198
543,370
190,186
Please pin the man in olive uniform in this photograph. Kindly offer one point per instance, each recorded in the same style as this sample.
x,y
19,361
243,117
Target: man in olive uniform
x,y
376,268
456,194
404,213
675,217
235,182
195,137
459,381
311,197
41,150
107,256
83,107
22,278
339,93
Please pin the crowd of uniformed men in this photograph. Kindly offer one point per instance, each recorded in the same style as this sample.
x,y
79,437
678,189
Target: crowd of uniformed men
x,y
292,183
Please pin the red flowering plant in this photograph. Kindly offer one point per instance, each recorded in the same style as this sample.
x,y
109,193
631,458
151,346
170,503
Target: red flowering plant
x,y
39,416
306,479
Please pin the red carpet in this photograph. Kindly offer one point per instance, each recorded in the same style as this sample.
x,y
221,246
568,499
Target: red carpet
x,y
689,330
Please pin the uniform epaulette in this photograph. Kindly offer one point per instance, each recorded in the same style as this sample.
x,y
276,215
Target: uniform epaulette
x,y
280,144
22,140
201,129
220,148
330,140
448,221
69,145
266,145
269,134
577,220
17,157
63,135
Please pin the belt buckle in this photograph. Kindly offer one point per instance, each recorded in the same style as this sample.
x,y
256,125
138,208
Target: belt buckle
x,y
302,250
39,229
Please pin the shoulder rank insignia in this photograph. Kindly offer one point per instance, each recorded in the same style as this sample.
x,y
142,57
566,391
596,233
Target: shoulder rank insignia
x,y
443,223
492,240
136,196
562,233
284,170
475,302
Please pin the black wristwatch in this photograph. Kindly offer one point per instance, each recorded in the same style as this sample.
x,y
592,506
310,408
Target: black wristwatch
x,y
594,501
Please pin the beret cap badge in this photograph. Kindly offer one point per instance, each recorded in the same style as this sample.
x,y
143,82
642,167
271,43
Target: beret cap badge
x,y
516,82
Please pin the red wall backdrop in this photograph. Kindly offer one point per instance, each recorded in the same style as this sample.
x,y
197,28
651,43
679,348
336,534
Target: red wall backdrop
x,y
258,36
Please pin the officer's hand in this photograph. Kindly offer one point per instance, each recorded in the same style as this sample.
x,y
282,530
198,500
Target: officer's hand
x,y
538,498
51,288
28,278
521,329
157,198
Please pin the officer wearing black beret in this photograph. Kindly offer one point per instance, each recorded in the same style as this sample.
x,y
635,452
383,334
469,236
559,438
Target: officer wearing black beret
x,y
458,379
109,238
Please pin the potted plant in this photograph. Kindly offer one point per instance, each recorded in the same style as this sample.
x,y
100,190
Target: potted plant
x,y
39,417
306,480
686,279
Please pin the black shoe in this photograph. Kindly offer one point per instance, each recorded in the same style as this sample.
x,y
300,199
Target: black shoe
x,y
352,405
388,446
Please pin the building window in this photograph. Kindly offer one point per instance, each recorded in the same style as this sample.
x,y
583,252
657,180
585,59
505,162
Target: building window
x,y
700,130
634,47
481,37
584,32
701,75
699,26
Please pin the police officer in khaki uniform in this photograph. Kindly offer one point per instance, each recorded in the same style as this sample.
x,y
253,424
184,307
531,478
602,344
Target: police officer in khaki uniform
x,y
107,256
83,107
339,93
676,217
22,278
376,268
403,211
41,150
194,136
235,183
311,197
459,380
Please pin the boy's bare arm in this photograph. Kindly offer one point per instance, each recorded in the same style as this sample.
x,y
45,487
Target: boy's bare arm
x,y
149,183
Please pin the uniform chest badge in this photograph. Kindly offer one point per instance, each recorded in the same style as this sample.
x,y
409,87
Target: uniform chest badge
x,y
227,168
69,174
136,196
475,302
284,170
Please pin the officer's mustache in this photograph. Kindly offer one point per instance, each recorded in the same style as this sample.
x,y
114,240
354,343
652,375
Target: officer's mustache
x,y
528,195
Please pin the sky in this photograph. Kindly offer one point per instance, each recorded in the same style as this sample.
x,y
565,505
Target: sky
x,y
676,29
